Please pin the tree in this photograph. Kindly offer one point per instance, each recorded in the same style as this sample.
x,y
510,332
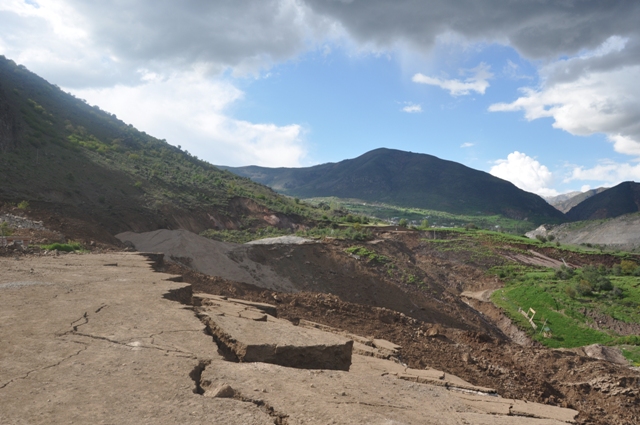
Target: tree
x,y
403,222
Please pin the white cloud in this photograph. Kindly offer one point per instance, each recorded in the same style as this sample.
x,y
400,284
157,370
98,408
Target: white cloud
x,y
607,171
477,82
412,108
585,187
526,173
595,92
189,110
467,145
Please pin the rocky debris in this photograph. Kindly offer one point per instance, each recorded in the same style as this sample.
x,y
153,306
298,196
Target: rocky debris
x,y
247,334
17,222
620,232
284,240
601,352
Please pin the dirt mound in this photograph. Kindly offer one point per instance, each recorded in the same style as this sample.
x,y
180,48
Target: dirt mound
x,y
207,256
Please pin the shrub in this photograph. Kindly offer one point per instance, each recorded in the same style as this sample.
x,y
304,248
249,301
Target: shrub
x,y
565,272
541,238
628,267
5,230
584,288
403,222
570,291
23,205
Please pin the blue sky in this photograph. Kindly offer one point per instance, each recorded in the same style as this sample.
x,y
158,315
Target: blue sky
x,y
542,94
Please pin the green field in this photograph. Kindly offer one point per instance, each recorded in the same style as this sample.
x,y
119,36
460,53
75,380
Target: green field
x,y
566,302
386,212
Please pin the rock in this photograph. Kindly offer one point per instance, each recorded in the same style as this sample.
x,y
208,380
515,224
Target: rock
x,y
223,391
241,335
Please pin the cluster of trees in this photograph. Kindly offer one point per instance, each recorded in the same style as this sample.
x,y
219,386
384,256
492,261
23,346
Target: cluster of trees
x,y
592,279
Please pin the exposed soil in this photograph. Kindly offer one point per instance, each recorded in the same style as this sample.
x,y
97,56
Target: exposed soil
x,y
604,393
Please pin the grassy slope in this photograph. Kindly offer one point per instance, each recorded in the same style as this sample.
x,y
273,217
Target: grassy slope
x,y
66,153
541,289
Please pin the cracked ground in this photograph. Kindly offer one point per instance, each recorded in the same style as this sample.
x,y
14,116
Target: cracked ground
x,y
100,338
83,341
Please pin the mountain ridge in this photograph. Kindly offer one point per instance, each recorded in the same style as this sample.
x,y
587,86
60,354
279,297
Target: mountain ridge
x,y
406,179
613,202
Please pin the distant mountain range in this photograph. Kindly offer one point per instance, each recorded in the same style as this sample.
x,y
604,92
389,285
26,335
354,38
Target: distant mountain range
x,y
566,201
614,202
407,179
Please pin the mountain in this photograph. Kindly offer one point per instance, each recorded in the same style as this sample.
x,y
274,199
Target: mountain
x,y
407,179
82,167
569,200
616,201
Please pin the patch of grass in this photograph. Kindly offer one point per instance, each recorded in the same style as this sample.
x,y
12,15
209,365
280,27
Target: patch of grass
x,y
23,205
631,353
561,302
67,247
363,252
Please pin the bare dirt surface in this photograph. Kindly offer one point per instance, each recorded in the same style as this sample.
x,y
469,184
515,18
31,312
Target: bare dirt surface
x,y
100,338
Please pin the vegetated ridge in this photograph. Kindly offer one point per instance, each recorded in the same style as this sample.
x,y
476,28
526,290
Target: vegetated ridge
x,y
407,179
569,200
614,202
81,167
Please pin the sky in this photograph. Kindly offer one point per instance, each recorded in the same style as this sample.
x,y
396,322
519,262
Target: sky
x,y
544,94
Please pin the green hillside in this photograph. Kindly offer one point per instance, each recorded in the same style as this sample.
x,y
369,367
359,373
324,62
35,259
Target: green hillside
x,y
73,160
409,180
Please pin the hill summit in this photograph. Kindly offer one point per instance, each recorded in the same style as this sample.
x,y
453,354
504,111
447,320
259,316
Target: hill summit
x,y
616,201
407,179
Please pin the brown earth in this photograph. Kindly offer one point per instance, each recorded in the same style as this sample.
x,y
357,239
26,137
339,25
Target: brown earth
x,y
99,338
414,301
447,334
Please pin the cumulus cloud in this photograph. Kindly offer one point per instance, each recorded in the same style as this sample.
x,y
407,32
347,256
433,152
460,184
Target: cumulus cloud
x,y
536,29
526,173
412,108
477,82
467,145
107,41
190,110
607,171
595,102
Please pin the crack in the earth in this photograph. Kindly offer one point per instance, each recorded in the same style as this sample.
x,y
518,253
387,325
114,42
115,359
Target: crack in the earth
x,y
279,418
26,375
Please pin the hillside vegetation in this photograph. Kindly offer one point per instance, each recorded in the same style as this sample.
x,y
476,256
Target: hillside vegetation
x,y
69,159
